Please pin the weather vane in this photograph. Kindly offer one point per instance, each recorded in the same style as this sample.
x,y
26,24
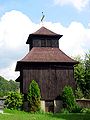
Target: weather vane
x,y
43,16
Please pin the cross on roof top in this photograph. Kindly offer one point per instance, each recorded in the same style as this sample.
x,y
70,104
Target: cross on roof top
x,y
43,16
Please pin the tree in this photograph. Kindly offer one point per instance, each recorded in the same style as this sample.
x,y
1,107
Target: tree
x,y
78,93
79,73
4,86
82,75
68,98
34,96
87,74
14,100
7,86
14,86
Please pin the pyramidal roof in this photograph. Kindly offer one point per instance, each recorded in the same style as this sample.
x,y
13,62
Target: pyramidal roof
x,y
45,54
44,31
38,54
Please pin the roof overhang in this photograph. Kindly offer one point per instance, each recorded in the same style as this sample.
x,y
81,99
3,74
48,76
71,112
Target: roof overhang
x,y
21,64
18,79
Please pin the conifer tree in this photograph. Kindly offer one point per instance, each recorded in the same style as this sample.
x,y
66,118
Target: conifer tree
x,y
34,96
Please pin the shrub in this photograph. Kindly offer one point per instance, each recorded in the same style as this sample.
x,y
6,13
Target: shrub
x,y
76,109
64,110
68,98
34,96
14,100
85,110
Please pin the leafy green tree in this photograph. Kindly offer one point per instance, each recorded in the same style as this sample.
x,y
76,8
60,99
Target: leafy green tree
x,y
14,100
79,73
82,75
7,86
13,86
87,75
34,96
4,86
78,93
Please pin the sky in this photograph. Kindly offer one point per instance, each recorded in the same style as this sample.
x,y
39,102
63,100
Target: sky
x,y
19,18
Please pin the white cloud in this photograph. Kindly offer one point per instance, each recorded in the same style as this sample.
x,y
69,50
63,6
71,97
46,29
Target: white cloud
x,y
9,72
75,40
78,4
14,30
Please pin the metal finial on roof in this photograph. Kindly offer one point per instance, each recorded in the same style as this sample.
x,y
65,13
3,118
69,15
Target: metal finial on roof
x,y
43,16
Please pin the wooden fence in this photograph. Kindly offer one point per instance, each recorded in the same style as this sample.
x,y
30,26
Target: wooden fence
x,y
85,103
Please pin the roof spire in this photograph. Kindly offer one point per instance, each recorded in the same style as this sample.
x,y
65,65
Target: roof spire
x,y
43,16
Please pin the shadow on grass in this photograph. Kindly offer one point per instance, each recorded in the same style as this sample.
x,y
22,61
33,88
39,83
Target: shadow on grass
x,y
72,116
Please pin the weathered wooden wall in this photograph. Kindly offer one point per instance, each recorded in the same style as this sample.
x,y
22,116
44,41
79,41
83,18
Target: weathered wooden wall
x,y
51,80
44,43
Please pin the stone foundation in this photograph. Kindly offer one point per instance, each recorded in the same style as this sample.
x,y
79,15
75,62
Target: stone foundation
x,y
43,105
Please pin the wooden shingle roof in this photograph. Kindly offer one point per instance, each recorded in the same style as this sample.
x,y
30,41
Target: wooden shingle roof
x,y
47,54
43,32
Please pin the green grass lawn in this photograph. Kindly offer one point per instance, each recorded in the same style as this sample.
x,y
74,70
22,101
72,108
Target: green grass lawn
x,y
18,115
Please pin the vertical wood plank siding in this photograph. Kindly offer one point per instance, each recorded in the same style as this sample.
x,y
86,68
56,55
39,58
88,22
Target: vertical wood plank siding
x,y
44,43
51,80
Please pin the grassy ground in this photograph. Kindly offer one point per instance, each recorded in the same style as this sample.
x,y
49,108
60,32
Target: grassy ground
x,y
18,115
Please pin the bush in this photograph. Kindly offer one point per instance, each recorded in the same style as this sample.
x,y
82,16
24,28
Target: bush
x,y
68,98
85,110
77,109
14,100
34,96
64,110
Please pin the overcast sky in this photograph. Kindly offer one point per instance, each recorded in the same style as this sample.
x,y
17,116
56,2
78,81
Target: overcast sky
x,y
19,18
